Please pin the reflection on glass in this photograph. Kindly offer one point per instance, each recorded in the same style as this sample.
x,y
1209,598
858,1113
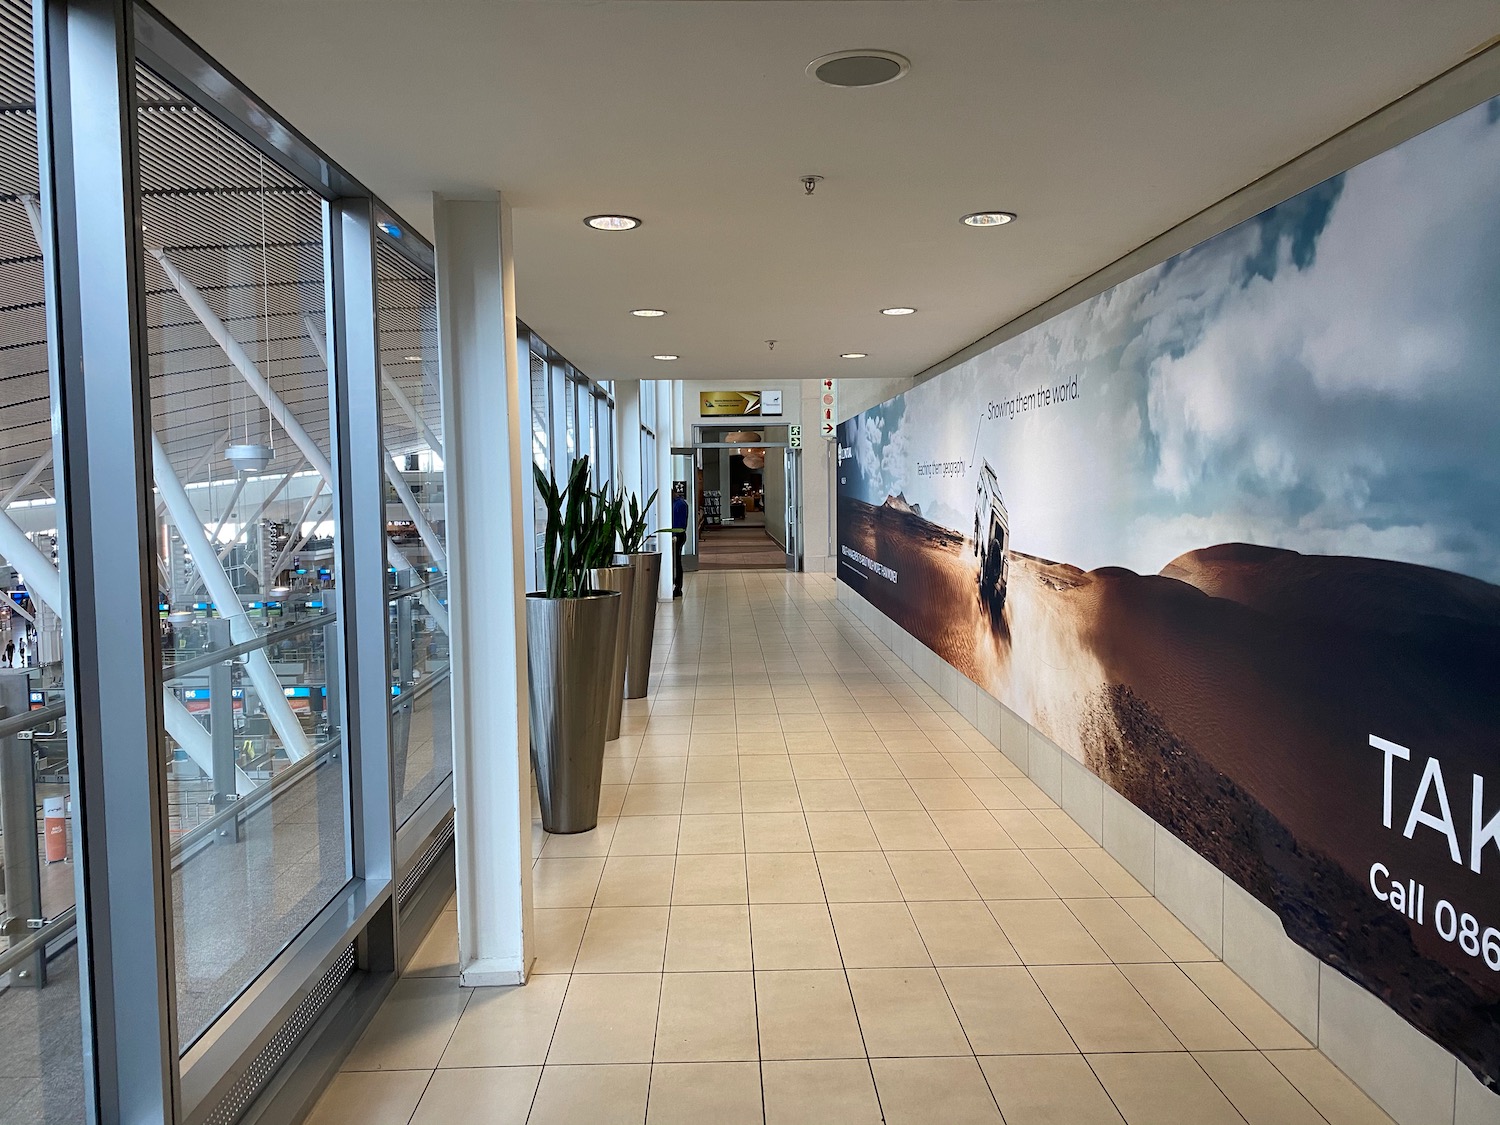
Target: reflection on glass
x,y
648,442
541,446
41,1061
245,549
417,622
604,428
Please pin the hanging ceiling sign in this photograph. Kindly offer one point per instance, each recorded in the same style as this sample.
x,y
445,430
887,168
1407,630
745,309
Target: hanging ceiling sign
x,y
738,403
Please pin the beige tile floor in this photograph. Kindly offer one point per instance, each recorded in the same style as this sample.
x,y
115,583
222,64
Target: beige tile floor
x,y
817,895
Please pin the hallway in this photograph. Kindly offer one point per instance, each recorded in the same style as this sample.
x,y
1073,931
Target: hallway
x,y
739,547
817,896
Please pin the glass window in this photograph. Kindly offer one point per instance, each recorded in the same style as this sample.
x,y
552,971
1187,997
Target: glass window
x,y
41,1077
567,419
541,447
604,471
583,411
240,418
417,619
648,443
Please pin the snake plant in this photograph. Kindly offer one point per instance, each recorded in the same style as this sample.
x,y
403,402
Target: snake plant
x,y
633,523
579,535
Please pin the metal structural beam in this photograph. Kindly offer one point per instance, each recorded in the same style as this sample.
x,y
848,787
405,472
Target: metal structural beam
x,y
242,363
26,481
239,486
261,510
293,546
288,551
45,586
227,600
434,443
403,490
410,410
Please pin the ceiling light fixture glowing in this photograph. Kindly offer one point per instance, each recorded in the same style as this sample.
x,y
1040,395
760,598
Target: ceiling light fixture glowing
x,y
612,222
897,311
664,358
989,218
648,312
412,358
855,355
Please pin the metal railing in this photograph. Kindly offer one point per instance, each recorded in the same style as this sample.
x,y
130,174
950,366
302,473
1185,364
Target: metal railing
x,y
58,934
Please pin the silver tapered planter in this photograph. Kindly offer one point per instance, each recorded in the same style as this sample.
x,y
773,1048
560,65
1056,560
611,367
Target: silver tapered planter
x,y
569,693
642,623
621,579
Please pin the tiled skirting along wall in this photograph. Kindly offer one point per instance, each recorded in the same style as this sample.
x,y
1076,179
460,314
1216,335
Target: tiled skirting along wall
x,y
1413,1079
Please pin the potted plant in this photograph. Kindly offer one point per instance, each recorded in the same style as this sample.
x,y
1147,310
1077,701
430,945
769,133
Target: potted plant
x,y
612,571
647,563
568,624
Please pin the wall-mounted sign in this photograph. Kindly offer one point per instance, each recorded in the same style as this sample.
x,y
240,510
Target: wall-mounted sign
x,y
738,403
794,436
829,403
1254,583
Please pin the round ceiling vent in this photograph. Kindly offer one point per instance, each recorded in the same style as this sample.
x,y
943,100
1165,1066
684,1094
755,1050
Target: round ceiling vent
x,y
859,68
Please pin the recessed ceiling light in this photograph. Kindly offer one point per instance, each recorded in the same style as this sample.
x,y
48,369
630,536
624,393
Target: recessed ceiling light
x,y
612,222
412,358
664,358
855,355
898,311
859,68
648,312
989,218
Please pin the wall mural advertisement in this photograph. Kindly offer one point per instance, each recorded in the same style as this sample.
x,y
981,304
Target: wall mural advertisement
x,y
1229,534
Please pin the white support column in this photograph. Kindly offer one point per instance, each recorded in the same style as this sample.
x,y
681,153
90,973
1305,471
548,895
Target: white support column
x,y
491,746
628,435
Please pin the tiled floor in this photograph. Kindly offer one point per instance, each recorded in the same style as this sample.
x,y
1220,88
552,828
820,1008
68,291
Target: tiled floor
x,y
816,895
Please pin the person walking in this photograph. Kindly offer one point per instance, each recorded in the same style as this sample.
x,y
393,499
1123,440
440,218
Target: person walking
x,y
10,654
679,533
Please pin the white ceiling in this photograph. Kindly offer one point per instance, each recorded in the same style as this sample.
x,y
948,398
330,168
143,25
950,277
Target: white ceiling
x,y
1102,123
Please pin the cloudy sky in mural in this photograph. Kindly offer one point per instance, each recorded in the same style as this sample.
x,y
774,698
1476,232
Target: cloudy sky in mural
x,y
1324,377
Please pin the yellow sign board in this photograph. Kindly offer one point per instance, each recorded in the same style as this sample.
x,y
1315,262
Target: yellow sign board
x,y
740,403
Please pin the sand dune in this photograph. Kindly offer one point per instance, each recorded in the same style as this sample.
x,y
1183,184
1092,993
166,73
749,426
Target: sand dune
x,y
1232,697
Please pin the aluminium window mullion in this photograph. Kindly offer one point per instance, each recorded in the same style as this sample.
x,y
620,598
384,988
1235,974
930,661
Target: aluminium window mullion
x,y
355,421
97,345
